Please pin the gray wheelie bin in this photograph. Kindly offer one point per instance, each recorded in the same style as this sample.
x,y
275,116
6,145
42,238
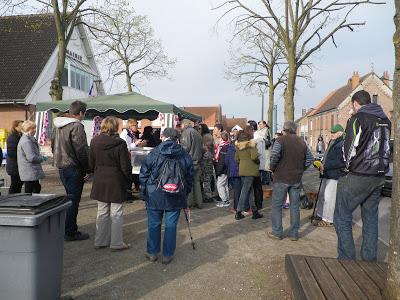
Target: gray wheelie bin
x,y
31,246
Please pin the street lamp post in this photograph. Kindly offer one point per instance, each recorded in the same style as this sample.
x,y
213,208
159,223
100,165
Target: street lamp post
x,y
260,84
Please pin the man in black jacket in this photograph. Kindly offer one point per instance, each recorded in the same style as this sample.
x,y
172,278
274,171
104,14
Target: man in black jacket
x,y
71,158
366,152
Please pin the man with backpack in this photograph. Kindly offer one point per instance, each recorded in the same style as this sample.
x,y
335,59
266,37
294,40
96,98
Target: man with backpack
x,y
366,151
166,178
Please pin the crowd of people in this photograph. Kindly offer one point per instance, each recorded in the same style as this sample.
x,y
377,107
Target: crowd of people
x,y
191,165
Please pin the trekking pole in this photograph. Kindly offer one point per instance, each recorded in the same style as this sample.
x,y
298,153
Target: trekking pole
x,y
190,232
316,201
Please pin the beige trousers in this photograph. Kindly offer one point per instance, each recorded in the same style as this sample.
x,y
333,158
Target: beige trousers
x,y
109,225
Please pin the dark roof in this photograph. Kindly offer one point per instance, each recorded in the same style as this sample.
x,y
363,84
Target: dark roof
x,y
335,98
27,42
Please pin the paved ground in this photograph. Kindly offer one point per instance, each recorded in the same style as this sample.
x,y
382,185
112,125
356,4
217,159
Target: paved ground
x,y
232,260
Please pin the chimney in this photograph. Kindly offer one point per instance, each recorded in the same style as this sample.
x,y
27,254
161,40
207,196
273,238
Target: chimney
x,y
355,80
385,78
303,112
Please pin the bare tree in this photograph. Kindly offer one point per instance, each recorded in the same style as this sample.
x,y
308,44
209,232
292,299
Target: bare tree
x,y
127,46
260,63
67,15
301,26
392,285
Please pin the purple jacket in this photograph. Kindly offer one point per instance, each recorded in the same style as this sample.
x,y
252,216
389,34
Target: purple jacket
x,y
230,162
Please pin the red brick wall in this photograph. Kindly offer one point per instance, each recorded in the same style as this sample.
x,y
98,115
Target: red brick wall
x,y
10,113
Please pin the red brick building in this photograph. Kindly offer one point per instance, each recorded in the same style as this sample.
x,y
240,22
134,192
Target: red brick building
x,y
336,106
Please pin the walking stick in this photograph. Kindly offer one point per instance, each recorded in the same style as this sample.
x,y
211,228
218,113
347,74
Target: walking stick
x,y
190,232
316,201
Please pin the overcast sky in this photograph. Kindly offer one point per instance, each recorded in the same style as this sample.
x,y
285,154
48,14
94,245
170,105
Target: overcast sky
x,y
186,30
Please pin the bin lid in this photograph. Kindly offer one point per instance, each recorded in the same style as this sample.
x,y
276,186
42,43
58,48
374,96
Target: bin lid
x,y
30,204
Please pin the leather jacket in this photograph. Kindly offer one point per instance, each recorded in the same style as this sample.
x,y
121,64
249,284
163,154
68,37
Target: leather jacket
x,y
70,148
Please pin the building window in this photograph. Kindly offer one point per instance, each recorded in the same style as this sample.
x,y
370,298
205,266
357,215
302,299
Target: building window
x,y
375,99
80,79
332,120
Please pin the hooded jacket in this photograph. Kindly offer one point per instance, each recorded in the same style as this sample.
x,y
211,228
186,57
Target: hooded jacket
x,y
69,145
366,147
109,161
150,170
247,157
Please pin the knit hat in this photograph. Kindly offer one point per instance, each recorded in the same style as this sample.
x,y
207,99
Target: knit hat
x,y
336,128
170,133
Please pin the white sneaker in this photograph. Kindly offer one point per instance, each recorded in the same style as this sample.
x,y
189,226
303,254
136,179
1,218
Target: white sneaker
x,y
223,204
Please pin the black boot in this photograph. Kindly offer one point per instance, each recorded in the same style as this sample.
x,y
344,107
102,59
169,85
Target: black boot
x,y
256,215
239,215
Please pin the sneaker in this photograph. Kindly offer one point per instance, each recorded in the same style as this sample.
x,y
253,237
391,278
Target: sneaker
x,y
247,213
223,204
77,236
294,238
273,236
256,215
167,259
151,257
121,248
239,216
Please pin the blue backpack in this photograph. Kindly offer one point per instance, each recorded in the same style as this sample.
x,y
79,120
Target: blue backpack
x,y
170,179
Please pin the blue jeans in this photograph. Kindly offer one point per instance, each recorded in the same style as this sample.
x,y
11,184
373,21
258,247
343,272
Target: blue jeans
x,y
236,185
265,177
154,219
279,192
352,191
72,179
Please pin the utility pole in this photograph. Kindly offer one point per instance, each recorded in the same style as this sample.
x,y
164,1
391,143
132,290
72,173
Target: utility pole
x,y
262,106
274,126
262,91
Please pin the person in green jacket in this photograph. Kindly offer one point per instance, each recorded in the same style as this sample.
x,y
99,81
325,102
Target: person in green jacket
x,y
247,158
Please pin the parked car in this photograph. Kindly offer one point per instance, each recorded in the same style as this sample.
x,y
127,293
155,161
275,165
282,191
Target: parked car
x,y
387,187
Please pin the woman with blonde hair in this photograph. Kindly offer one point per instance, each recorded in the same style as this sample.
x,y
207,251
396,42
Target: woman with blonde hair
x,y
29,158
112,169
12,164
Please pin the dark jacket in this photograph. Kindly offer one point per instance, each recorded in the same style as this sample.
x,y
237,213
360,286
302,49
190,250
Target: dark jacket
x,y
366,146
334,163
231,164
290,156
70,147
12,143
192,142
109,161
221,167
150,170
247,157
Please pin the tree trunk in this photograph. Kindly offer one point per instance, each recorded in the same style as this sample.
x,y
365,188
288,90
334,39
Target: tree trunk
x,y
392,285
56,90
289,91
128,80
271,95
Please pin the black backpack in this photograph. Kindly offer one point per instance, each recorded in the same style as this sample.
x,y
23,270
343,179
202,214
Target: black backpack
x,y
170,179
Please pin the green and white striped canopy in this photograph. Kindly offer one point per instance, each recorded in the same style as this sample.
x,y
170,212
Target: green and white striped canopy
x,y
125,105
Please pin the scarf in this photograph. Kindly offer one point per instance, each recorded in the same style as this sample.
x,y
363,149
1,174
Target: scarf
x,y
218,149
